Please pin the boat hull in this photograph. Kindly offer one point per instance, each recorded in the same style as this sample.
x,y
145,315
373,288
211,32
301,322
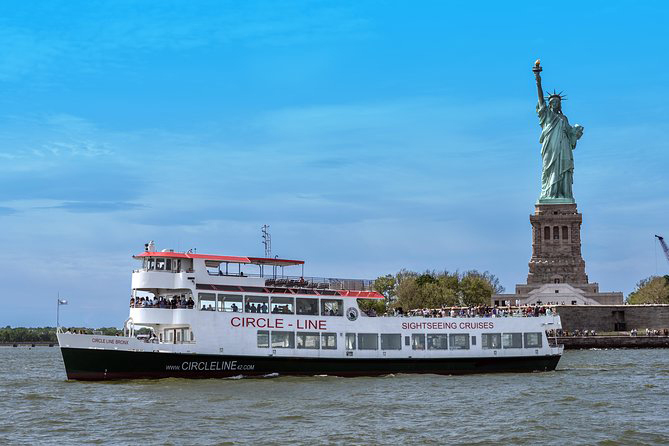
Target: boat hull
x,y
98,364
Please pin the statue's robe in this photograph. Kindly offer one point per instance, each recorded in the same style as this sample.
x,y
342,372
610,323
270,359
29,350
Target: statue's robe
x,y
558,139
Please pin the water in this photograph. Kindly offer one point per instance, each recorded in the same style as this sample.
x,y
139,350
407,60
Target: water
x,y
606,397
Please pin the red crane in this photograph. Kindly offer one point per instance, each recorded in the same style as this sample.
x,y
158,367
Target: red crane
x,y
665,248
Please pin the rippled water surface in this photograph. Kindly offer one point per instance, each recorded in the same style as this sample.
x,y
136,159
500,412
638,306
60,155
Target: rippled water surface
x,y
606,397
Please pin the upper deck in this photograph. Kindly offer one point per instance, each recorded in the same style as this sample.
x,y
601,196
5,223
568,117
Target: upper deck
x,y
188,271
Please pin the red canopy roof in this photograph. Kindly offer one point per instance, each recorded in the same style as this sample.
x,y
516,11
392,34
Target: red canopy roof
x,y
274,261
229,259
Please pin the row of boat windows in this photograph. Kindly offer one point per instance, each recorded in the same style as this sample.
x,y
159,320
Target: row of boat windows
x,y
161,264
237,303
393,341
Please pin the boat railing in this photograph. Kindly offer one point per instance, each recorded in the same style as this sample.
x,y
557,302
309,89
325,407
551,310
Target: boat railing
x,y
320,283
475,312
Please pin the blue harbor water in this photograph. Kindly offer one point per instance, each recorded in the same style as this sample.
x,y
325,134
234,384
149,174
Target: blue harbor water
x,y
606,397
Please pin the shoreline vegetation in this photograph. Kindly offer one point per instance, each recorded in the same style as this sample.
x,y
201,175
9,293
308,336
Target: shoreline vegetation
x,y
9,335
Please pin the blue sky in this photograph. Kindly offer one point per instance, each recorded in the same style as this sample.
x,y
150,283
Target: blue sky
x,y
371,136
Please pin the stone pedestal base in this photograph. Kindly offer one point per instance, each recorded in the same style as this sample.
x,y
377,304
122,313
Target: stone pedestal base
x,y
556,247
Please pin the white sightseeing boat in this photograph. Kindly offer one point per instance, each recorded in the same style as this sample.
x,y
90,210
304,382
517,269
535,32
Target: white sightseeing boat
x,y
201,316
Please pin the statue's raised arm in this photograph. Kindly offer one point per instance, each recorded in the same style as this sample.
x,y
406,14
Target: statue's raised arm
x,y
537,74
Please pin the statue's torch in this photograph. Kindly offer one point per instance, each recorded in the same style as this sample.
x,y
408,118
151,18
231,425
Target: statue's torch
x,y
537,68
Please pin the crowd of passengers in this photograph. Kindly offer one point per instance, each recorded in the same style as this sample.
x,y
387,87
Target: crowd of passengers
x,y
478,311
632,332
162,302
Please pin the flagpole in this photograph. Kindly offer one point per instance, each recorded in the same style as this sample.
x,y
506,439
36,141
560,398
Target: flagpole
x,y
58,311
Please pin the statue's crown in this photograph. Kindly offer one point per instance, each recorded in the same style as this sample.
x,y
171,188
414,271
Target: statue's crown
x,y
563,97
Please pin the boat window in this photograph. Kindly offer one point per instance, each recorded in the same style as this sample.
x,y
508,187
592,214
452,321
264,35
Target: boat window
x,y
282,305
257,304
283,339
308,340
391,342
263,339
332,307
306,306
418,341
437,341
368,341
230,302
329,341
350,341
491,340
532,340
160,264
512,340
458,341
207,301
168,264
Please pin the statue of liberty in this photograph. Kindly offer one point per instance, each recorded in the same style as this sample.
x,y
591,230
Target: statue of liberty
x,y
558,140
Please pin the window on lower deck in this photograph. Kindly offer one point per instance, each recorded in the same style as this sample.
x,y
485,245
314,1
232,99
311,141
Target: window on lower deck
x,y
437,341
207,301
350,341
368,341
283,339
332,307
418,341
263,339
329,341
458,341
230,302
282,305
391,342
306,306
491,340
532,340
512,340
256,304
308,340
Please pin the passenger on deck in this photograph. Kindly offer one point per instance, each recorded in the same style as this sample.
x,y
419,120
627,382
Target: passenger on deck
x,y
263,308
191,302
234,307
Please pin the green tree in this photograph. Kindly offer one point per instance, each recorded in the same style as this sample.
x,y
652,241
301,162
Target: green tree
x,y
433,289
386,286
475,290
651,290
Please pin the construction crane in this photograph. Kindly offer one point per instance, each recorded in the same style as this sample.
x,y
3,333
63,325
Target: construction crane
x,y
665,248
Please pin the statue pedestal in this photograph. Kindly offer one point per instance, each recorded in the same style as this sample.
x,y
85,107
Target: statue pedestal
x,y
556,246
557,269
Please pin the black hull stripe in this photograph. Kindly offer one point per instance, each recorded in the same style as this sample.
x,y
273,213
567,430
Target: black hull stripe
x,y
96,365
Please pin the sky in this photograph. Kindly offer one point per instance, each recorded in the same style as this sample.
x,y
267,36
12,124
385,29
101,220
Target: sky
x,y
371,136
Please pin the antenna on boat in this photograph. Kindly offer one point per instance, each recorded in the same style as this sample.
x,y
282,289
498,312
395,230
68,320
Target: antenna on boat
x,y
267,241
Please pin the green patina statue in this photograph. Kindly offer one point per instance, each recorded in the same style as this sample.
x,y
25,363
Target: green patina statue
x,y
558,140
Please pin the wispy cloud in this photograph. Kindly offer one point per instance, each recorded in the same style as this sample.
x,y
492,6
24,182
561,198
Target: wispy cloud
x,y
85,38
6,210
98,206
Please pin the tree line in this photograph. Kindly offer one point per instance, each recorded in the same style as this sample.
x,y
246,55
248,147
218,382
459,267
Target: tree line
x,y
47,334
651,290
433,289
